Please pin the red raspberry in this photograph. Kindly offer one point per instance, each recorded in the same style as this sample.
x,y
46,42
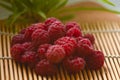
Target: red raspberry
x,y
39,37
74,32
17,39
84,47
79,38
49,21
42,50
55,54
70,25
90,37
74,64
30,58
17,51
31,29
68,43
56,30
26,45
38,26
22,31
95,60
44,67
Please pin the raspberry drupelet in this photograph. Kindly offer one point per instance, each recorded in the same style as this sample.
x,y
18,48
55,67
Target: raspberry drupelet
x,y
90,37
30,58
69,44
74,32
55,54
39,37
56,30
44,67
84,48
17,39
17,51
74,64
70,25
42,50
95,61
50,21
31,29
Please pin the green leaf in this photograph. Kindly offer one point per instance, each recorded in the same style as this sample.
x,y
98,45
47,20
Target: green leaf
x,y
58,5
28,4
6,6
107,1
52,3
66,17
7,1
61,4
42,14
15,16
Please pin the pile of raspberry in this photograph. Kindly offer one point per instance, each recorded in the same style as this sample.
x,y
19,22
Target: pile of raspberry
x,y
46,46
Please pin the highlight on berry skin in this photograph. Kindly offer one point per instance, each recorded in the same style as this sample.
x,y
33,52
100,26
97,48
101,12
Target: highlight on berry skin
x,y
45,46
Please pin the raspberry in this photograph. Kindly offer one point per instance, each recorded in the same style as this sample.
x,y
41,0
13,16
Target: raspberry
x,y
17,39
55,54
22,31
33,46
39,37
95,61
17,51
74,64
70,25
56,30
42,50
79,38
90,37
68,43
49,21
44,67
31,29
26,45
30,58
74,32
39,26
84,47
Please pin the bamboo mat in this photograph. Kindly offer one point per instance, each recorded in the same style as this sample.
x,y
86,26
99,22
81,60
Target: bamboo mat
x,y
107,39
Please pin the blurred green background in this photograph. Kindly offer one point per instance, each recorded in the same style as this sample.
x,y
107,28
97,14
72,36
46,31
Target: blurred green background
x,y
109,5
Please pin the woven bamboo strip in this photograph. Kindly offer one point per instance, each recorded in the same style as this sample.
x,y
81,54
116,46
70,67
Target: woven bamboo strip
x,y
77,77
34,75
72,77
93,75
108,46
108,42
97,72
5,54
10,61
58,75
24,68
115,53
102,72
44,78
111,47
101,46
117,50
62,74
39,78
1,61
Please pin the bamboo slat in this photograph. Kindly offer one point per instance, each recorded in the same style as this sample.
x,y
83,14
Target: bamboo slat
x,y
107,40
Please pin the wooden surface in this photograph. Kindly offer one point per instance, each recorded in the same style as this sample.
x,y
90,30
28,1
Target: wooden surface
x,y
107,35
91,16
